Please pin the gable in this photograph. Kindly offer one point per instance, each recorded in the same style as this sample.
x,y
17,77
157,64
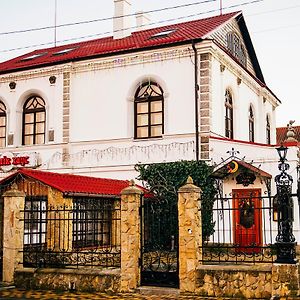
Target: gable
x,y
238,27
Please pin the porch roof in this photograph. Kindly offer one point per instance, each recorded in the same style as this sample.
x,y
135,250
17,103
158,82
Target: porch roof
x,y
230,166
75,184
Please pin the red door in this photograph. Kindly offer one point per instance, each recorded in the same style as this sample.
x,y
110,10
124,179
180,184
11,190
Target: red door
x,y
247,220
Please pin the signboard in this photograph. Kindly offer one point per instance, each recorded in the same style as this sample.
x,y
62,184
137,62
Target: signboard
x,y
9,160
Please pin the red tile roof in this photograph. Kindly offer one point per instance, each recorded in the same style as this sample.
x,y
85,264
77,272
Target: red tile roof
x,y
282,131
183,32
72,184
221,171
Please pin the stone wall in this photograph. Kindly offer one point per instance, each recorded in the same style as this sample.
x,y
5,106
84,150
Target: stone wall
x,y
248,281
88,280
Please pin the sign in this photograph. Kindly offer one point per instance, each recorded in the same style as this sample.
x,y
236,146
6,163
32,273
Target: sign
x,y
9,160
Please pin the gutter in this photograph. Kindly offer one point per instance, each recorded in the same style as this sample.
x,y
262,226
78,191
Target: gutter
x,y
196,99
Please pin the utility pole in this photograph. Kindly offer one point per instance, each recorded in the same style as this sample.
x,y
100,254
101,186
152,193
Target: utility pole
x,y
221,8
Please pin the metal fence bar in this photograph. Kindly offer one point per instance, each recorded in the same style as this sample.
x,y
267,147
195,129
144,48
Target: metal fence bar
x,y
86,234
244,231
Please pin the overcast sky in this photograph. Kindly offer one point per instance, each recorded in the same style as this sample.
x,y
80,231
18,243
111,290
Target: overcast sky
x,y
274,27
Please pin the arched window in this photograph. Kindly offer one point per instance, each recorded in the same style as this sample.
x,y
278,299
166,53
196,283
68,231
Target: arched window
x,y
228,115
268,131
251,124
236,48
2,125
149,111
34,121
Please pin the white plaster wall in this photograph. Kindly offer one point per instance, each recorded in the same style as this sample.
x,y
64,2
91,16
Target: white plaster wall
x,y
243,97
14,100
102,101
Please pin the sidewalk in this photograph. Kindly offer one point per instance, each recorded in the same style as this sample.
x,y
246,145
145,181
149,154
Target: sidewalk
x,y
32,294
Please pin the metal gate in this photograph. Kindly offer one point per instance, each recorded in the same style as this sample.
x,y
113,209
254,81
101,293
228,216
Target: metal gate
x,y
159,243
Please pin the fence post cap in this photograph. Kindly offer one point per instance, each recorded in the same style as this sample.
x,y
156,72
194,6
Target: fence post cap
x,y
189,186
131,189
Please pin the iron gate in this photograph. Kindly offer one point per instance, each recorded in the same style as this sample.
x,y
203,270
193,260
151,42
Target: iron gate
x,y
159,243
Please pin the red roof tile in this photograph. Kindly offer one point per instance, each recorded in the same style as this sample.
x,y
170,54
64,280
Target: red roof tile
x,y
183,32
69,183
282,131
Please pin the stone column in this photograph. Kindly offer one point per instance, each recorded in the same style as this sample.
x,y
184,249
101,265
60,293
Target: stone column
x,y
130,237
190,235
13,232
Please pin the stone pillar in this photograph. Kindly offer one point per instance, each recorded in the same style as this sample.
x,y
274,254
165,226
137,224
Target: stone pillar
x,y
190,235
130,237
13,232
285,281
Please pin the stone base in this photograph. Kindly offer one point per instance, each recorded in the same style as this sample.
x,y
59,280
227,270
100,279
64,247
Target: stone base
x,y
88,280
247,281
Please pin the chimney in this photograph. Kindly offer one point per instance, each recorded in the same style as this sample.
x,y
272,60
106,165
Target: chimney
x,y
142,20
122,22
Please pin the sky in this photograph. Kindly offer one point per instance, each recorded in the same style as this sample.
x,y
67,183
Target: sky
x,y
274,28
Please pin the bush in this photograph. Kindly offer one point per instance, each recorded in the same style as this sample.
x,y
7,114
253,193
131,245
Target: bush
x,y
164,180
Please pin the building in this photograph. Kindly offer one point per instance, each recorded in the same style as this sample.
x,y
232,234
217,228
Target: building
x,y
191,90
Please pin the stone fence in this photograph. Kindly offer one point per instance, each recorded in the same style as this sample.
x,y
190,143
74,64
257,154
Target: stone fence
x,y
243,281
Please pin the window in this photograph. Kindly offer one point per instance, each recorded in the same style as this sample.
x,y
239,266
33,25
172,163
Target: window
x,y
34,121
92,222
228,115
35,220
236,47
268,131
163,33
149,111
251,124
2,125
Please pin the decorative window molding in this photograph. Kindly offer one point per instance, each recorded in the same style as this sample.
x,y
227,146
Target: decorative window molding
x,y
251,124
34,121
236,48
148,111
228,115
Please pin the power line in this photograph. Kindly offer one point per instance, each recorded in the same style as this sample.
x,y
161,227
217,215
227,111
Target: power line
x,y
108,32
273,10
104,19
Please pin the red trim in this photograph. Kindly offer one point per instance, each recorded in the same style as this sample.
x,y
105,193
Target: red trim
x,y
242,142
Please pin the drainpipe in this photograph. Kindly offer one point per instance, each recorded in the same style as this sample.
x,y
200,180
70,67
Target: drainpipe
x,y
196,99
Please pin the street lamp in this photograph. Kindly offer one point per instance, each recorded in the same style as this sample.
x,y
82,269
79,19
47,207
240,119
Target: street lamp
x,y
285,240
282,151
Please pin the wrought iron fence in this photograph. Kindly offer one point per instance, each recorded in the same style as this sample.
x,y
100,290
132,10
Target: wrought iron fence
x,y
245,228
85,233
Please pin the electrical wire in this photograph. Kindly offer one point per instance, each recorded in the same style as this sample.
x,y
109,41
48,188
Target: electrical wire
x,y
108,32
103,19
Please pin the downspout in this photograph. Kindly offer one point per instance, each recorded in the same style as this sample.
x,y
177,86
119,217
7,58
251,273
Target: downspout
x,y
196,99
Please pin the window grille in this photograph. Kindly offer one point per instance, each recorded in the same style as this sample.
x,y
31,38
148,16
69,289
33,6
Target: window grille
x,y
236,48
92,222
35,220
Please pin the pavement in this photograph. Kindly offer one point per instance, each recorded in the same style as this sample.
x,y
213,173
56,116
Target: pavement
x,y
13,293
